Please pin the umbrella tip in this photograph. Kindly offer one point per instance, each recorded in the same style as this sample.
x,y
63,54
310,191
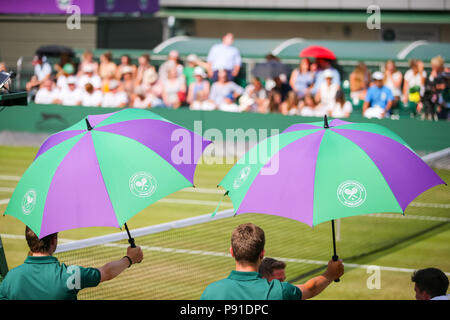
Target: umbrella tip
x,y
88,124
325,122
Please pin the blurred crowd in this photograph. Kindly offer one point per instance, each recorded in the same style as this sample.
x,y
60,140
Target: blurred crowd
x,y
314,88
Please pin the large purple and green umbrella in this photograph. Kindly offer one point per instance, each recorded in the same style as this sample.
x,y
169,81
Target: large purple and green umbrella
x,y
317,172
103,170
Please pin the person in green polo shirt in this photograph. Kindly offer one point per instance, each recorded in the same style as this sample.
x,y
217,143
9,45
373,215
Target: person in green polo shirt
x,y
245,283
43,277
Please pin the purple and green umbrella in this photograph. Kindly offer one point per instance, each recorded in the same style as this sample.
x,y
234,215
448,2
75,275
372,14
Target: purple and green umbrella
x,y
103,170
317,172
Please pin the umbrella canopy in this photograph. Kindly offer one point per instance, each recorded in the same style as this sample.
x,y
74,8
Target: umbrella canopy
x,y
54,51
103,170
317,52
270,69
314,174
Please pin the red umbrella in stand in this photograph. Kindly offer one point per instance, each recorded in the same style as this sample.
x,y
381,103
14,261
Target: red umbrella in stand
x,y
317,52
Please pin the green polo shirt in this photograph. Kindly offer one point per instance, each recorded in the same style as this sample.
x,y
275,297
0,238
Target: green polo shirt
x,y
250,286
45,278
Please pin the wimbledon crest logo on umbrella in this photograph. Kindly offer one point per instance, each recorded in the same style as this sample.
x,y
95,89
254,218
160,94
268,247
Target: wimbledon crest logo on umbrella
x,y
29,202
243,175
143,184
351,193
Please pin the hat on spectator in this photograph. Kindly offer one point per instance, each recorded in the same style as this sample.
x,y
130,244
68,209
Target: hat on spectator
x,y
150,76
173,54
113,84
71,80
328,73
377,75
198,71
192,57
88,68
68,68
127,69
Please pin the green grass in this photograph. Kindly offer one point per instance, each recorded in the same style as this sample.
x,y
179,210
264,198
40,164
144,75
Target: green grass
x,y
169,274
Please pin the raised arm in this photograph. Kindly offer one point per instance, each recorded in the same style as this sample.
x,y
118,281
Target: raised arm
x,y
112,269
316,285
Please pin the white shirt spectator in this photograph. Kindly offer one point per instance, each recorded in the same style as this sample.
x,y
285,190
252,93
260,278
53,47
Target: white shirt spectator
x,y
114,99
95,80
338,111
71,97
42,70
45,96
327,98
93,99
142,103
224,57
415,79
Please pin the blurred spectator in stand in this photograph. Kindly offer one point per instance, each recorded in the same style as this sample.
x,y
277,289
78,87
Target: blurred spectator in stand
x,y
143,66
152,87
393,80
323,65
141,100
341,108
271,269
273,103
198,92
290,105
325,96
64,60
91,97
115,97
171,63
443,89
378,100
47,93
254,97
430,97
414,84
71,95
125,64
188,71
106,70
224,92
87,60
282,87
42,72
88,75
174,89
128,81
307,106
359,83
224,56
430,284
62,79
301,78
3,67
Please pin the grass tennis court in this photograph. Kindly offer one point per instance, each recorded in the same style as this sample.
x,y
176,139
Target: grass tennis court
x,y
178,264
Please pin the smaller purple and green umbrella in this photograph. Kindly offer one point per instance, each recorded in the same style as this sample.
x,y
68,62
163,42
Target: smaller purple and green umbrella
x,y
317,172
103,170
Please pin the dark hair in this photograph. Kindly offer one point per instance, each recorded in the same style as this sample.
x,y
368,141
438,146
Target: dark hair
x,y
431,280
38,245
268,265
340,97
247,242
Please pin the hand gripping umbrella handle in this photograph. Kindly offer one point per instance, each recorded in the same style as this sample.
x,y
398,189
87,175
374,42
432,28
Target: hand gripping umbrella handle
x,y
335,257
130,239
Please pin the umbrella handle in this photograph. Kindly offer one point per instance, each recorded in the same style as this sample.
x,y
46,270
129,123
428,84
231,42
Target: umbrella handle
x,y
130,239
335,257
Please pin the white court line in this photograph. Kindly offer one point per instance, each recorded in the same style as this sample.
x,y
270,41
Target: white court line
x,y
10,178
227,255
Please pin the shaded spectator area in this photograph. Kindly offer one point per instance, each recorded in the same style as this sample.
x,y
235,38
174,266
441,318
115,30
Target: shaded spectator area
x,y
179,73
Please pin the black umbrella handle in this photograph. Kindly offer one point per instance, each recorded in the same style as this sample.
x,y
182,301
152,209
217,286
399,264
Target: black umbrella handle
x,y
335,257
130,239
